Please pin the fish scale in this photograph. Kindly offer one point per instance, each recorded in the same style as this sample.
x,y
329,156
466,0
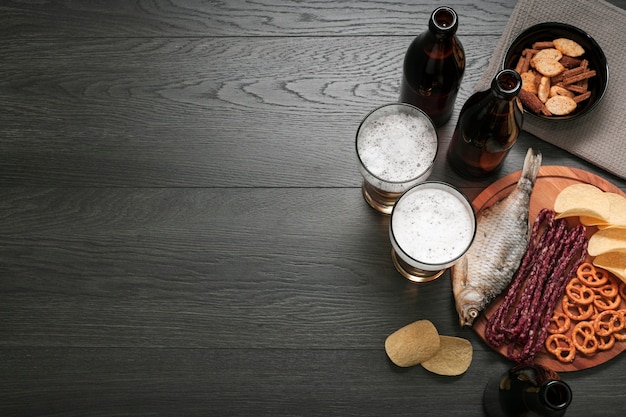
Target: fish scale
x,y
502,234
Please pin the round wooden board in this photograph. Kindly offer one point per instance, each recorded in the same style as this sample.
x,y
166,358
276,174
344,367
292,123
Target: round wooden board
x,y
550,181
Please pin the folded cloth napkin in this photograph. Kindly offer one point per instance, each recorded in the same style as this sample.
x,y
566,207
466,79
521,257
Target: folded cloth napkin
x,y
600,136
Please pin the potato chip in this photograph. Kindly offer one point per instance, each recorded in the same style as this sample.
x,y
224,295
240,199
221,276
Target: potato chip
x,y
586,212
592,221
607,240
614,262
610,226
617,210
616,214
453,357
413,343
582,200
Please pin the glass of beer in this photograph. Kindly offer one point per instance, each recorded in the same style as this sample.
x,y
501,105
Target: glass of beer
x,y
396,145
432,225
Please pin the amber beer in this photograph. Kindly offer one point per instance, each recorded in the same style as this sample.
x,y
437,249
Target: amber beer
x,y
396,145
432,225
488,126
433,67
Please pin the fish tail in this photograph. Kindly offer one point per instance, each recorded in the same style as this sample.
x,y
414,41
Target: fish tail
x,y
532,163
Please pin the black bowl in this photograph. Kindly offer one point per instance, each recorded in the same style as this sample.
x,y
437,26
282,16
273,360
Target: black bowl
x,y
593,53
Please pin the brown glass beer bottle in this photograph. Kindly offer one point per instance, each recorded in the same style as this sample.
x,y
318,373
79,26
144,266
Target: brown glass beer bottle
x,y
527,391
487,128
433,68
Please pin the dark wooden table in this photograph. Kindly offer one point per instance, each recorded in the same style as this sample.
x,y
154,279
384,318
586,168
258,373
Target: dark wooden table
x,y
182,230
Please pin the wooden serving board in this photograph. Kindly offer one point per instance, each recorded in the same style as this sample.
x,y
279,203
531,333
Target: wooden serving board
x,y
550,181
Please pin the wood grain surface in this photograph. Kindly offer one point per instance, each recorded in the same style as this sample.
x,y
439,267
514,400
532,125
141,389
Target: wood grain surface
x,y
550,181
182,231
136,18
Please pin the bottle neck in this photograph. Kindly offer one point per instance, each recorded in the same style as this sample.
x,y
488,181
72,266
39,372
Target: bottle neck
x,y
545,394
443,22
506,84
555,395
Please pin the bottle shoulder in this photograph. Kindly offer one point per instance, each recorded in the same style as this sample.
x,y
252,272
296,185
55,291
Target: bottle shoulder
x,y
425,49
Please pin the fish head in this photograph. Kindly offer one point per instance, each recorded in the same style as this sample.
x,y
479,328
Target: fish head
x,y
469,306
468,315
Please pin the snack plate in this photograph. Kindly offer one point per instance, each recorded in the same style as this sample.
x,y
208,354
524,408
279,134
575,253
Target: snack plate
x,y
550,181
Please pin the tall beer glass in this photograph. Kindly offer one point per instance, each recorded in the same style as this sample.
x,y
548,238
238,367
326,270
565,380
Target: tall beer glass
x,y
396,145
432,225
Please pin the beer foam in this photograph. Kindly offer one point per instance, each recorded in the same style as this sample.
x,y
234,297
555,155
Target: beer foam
x,y
432,225
397,147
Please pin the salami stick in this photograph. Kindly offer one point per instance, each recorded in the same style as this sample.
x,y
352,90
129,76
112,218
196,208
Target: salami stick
x,y
542,267
564,271
564,264
523,334
492,332
522,318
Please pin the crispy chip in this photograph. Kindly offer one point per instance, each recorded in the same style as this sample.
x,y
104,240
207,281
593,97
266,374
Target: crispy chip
x,y
579,212
560,105
607,240
582,200
453,357
614,262
528,82
548,67
593,221
603,226
543,91
548,53
546,62
617,212
569,47
557,90
413,343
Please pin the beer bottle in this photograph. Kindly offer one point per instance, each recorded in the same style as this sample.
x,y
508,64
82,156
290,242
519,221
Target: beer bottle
x,y
488,126
433,68
527,391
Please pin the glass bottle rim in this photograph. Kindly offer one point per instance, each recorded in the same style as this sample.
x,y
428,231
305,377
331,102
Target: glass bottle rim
x,y
507,83
443,20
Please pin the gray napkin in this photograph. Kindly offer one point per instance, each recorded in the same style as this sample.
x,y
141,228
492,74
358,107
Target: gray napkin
x,y
600,136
